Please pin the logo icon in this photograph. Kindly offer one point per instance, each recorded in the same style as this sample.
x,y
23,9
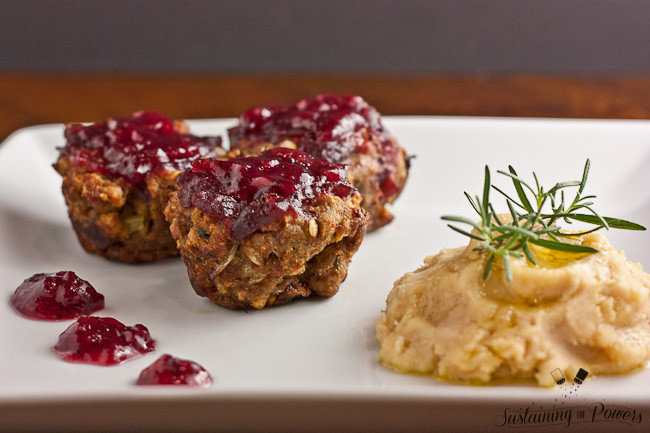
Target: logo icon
x,y
580,376
558,377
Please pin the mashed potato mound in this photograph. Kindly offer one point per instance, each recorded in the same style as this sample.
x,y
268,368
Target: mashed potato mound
x,y
569,312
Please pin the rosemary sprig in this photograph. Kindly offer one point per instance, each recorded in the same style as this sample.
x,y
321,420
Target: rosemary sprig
x,y
531,222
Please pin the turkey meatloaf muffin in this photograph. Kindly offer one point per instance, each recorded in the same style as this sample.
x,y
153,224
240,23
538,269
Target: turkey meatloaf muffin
x,y
260,231
117,176
336,129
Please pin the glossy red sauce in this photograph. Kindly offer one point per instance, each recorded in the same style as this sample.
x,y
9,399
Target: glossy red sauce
x,y
328,127
103,341
168,370
56,296
251,192
133,147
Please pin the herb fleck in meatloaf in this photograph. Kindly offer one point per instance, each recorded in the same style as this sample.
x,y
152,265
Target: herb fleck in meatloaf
x,y
260,231
117,177
336,129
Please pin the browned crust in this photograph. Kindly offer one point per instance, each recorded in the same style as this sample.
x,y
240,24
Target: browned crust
x,y
283,260
366,174
115,220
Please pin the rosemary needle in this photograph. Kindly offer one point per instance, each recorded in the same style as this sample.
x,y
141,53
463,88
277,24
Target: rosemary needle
x,y
535,213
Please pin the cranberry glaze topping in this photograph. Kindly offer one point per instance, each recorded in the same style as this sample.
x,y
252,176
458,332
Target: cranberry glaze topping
x,y
328,127
251,192
103,341
56,296
168,370
133,147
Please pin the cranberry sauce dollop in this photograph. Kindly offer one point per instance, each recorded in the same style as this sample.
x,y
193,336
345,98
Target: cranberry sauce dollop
x,y
169,370
103,341
56,296
328,127
133,147
253,191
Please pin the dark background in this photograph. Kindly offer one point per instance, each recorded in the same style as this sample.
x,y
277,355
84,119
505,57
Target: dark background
x,y
562,37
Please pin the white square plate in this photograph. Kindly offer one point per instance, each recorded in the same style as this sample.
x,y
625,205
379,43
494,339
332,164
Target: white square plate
x,y
310,365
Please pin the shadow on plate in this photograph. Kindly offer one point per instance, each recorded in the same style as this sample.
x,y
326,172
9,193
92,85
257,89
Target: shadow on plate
x,y
30,238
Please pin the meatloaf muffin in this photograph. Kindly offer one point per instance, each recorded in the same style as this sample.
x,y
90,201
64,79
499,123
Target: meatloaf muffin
x,y
260,231
336,129
117,176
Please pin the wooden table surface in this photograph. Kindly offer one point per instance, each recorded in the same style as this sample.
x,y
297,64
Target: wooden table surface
x,y
33,99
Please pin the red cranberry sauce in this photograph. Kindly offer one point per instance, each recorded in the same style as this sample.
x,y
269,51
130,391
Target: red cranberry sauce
x,y
133,147
251,192
168,370
103,341
56,296
328,127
